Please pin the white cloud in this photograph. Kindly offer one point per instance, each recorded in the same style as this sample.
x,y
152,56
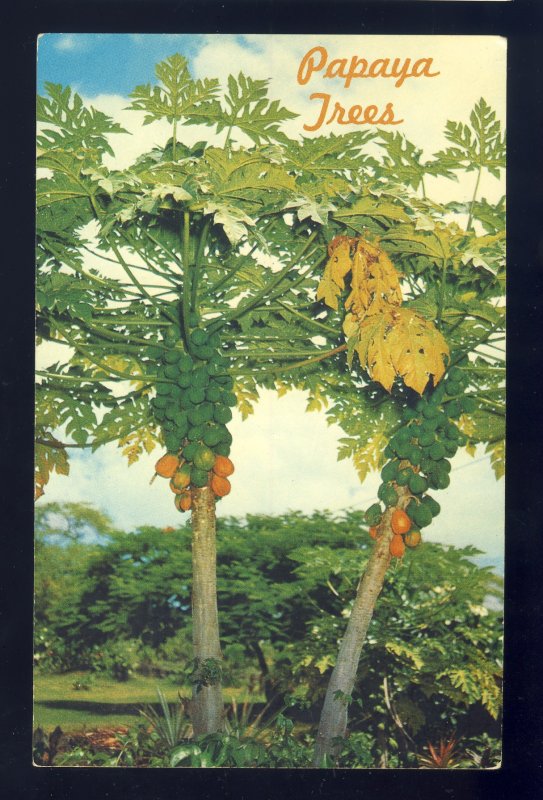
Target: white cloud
x,y
67,42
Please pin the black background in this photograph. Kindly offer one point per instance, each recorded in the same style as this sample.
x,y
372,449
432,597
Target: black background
x,y
522,22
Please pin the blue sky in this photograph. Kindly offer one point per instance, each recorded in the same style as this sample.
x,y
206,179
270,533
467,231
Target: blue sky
x,y
113,63
299,449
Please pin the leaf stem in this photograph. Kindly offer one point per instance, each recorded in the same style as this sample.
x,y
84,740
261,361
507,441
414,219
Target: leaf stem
x,y
255,338
186,278
240,353
493,346
423,187
472,204
306,362
103,282
308,320
83,350
496,409
198,263
442,293
124,320
150,266
114,336
241,260
161,310
482,369
477,343
91,378
56,444
165,249
239,312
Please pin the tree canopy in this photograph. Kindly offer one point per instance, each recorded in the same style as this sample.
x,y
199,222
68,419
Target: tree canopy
x,y
237,236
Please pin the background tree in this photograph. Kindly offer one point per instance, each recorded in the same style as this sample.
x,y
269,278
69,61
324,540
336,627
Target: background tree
x,y
433,667
66,537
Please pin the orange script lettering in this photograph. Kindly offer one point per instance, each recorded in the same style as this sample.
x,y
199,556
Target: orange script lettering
x,y
355,115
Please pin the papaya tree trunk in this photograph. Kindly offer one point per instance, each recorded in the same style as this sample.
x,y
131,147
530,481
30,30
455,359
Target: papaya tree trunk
x,y
207,709
334,715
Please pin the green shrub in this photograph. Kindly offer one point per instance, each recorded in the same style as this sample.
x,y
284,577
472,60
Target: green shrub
x,y
119,659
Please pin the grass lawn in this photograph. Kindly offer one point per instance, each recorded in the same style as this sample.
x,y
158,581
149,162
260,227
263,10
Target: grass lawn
x,y
106,703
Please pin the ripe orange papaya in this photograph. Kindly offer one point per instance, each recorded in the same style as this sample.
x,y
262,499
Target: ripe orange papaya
x,y
166,466
400,522
397,546
223,467
220,486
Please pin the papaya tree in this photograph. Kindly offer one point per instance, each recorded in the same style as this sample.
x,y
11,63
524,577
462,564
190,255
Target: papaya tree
x,y
174,282
183,284
435,347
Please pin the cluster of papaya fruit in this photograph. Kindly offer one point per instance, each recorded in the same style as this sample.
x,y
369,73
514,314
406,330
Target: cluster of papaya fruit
x,y
419,453
181,475
193,403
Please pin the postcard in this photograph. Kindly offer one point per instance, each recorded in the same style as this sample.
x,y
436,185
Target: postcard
x,y
270,401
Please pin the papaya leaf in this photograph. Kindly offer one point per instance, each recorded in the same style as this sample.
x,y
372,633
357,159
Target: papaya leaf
x,y
178,96
317,160
74,126
497,457
134,444
478,146
247,395
328,291
126,417
368,206
249,110
308,208
404,160
234,222
372,349
407,239
369,456
46,461
391,341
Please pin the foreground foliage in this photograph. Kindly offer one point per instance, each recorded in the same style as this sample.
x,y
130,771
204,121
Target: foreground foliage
x,y
248,745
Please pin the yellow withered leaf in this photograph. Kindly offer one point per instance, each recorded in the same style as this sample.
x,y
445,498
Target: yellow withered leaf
x,y
328,291
390,341
399,343
373,351
375,285
350,325
337,266
340,262
416,348
359,298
